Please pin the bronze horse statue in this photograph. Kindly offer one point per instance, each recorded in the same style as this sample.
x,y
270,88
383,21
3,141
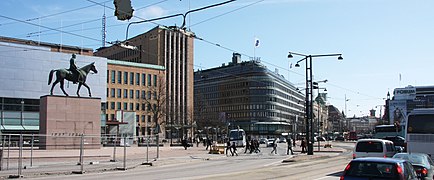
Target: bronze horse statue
x,y
62,74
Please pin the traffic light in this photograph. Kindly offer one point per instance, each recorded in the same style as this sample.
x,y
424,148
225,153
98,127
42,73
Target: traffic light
x,y
123,9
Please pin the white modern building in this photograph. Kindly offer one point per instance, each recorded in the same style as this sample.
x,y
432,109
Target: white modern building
x,y
24,71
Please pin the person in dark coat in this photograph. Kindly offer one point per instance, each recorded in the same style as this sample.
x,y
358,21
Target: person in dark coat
x,y
289,141
229,148
303,146
234,149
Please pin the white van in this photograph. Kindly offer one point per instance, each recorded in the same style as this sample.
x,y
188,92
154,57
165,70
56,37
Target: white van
x,y
374,148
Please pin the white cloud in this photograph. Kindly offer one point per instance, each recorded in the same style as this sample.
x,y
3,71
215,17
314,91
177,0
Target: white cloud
x,y
151,12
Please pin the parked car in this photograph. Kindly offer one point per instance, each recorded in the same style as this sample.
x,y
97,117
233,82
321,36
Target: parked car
x,y
421,162
374,148
282,140
339,138
379,168
270,142
397,141
263,141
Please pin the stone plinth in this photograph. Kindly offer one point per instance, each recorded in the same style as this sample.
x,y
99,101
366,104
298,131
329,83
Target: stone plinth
x,y
64,119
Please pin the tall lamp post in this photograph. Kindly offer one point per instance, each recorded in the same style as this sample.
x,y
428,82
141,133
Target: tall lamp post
x,y
309,94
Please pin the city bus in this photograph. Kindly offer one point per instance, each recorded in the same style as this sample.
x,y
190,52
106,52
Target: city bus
x,y
420,131
238,136
382,131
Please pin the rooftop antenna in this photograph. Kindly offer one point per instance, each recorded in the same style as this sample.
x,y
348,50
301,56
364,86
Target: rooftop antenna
x,y
103,32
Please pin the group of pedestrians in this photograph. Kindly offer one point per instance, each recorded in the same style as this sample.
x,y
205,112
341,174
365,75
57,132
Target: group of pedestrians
x,y
252,146
231,148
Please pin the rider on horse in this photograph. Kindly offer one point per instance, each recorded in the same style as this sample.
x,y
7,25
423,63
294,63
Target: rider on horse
x,y
74,70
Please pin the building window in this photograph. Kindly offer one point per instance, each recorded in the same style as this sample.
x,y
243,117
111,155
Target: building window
x,y
112,92
143,118
149,80
155,95
119,77
125,106
131,94
131,106
125,77
143,107
112,117
131,78
149,94
137,118
137,106
119,93
143,94
125,93
112,105
113,76
137,94
137,78
143,79
155,80
149,118
118,104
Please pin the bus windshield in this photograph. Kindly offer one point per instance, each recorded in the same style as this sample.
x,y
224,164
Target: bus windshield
x,y
236,135
421,124
382,131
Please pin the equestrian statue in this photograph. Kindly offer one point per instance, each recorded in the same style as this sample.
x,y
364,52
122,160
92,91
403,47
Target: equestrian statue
x,y
74,74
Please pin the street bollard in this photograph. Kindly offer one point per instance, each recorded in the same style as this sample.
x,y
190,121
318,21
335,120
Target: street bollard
x,y
125,155
9,149
20,156
81,157
114,149
147,153
31,151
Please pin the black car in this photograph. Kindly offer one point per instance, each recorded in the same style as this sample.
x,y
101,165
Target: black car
x,y
397,141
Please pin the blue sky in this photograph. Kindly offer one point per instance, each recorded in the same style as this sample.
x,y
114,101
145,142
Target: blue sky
x,y
380,40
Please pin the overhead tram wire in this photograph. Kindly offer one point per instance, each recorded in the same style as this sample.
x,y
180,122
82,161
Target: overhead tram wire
x,y
226,13
55,14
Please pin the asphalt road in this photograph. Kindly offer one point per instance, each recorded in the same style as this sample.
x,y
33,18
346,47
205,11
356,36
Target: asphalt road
x,y
263,165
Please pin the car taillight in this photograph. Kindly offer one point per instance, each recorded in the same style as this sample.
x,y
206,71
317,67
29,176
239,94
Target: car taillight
x,y
342,178
385,156
348,167
354,155
399,169
422,171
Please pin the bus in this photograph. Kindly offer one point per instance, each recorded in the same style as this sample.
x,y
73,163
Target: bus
x,y
382,131
238,136
420,131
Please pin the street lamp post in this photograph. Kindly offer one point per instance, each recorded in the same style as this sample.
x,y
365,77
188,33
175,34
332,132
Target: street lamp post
x,y
309,93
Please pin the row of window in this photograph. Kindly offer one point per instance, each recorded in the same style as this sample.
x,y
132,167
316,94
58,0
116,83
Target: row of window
x,y
143,118
131,94
131,106
132,78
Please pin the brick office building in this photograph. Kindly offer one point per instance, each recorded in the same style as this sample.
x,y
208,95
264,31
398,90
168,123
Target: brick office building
x,y
173,49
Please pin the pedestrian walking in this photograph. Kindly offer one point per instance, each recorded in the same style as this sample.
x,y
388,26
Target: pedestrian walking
x,y
303,146
184,143
234,149
289,141
228,147
248,146
209,143
274,147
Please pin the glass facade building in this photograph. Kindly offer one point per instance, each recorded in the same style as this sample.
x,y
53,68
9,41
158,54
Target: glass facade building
x,y
249,96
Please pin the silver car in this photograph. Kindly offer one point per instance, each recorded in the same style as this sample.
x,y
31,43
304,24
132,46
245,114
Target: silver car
x,y
421,162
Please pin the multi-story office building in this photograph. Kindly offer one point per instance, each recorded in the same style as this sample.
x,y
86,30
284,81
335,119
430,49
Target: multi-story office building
x,y
249,96
24,69
406,99
132,87
173,49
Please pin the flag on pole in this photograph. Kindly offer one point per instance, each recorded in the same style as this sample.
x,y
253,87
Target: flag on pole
x,y
256,42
